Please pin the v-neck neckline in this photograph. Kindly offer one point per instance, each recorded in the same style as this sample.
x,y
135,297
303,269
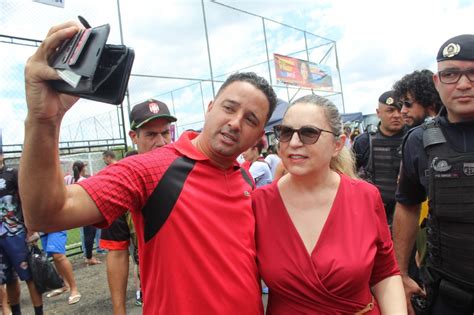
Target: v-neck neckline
x,y
324,228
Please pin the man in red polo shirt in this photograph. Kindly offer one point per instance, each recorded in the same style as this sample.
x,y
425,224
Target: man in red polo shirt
x,y
189,200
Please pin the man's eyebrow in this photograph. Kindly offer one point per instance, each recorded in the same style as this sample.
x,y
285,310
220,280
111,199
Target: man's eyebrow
x,y
232,102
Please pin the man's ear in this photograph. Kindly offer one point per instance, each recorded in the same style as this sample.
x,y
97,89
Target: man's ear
x,y
209,106
436,81
133,136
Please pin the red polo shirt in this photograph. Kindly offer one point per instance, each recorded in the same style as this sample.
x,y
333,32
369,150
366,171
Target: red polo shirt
x,y
203,259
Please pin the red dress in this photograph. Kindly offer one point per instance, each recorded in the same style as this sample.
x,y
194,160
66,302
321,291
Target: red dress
x,y
353,253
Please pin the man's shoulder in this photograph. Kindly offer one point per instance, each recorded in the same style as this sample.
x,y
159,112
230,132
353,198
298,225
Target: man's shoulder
x,y
262,163
362,140
8,172
160,156
272,158
415,135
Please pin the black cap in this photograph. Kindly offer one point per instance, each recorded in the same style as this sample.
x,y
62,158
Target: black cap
x,y
149,110
387,98
460,47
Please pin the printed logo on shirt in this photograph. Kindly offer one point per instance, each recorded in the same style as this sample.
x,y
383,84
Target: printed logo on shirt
x,y
468,169
440,165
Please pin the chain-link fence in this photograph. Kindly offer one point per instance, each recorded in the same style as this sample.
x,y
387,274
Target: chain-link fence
x,y
184,51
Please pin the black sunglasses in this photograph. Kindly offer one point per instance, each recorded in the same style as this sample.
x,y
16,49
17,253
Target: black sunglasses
x,y
406,103
306,134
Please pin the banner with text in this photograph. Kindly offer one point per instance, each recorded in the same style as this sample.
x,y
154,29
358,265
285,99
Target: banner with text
x,y
54,3
302,73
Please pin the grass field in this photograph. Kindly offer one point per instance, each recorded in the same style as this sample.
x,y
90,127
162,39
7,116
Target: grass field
x,y
73,236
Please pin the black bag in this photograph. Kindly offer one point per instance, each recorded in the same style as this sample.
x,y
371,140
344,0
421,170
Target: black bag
x,y
45,276
103,69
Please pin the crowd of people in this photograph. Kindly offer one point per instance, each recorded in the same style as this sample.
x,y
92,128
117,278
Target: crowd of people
x,y
328,224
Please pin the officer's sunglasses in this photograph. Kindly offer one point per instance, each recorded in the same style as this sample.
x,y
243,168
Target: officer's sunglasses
x,y
452,76
306,134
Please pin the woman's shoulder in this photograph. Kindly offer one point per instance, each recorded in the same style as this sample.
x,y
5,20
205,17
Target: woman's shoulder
x,y
265,191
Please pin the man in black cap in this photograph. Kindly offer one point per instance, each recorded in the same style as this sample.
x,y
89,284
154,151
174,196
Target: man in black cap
x,y
438,163
417,96
378,153
150,123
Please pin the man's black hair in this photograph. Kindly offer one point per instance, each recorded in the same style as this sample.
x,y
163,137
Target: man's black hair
x,y
420,86
109,153
258,82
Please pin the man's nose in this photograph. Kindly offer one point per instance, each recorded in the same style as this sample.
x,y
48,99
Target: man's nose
x,y
235,122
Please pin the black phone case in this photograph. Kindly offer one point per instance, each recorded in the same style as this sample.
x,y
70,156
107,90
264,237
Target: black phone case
x,y
105,68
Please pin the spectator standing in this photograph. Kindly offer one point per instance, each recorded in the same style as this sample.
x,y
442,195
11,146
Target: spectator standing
x,y
259,168
109,157
272,159
79,170
13,247
150,123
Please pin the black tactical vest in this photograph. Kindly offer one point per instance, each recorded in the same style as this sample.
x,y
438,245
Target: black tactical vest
x,y
450,225
384,165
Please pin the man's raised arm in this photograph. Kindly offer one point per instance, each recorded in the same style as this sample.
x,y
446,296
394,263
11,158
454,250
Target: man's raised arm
x,y
47,203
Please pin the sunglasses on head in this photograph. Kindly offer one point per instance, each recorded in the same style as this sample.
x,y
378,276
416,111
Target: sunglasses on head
x,y
306,134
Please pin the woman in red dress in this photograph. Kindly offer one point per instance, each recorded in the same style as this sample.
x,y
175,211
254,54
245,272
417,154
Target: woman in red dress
x,y
323,243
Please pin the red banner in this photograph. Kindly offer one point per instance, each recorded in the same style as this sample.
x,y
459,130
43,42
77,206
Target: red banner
x,y
303,73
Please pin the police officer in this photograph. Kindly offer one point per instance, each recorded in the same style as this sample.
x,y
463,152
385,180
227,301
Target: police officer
x,y
418,97
438,162
378,154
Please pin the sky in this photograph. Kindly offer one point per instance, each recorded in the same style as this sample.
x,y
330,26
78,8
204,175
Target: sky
x,y
377,42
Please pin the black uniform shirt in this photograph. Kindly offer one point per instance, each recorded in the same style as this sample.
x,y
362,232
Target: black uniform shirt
x,y
361,146
413,182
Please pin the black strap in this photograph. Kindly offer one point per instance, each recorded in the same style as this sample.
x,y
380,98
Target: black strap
x,y
166,193
163,198
247,178
432,133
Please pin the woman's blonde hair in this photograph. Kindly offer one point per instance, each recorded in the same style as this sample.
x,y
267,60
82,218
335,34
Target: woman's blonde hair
x,y
344,162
